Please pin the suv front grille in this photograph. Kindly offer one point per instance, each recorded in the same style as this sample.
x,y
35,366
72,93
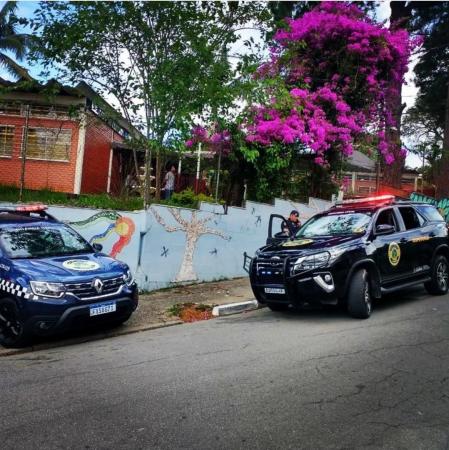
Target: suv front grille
x,y
270,270
86,290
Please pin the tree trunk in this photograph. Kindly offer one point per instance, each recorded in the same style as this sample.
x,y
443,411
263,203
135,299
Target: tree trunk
x,y
157,195
392,174
441,177
186,271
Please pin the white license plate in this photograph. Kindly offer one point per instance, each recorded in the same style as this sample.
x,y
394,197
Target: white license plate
x,y
274,290
102,308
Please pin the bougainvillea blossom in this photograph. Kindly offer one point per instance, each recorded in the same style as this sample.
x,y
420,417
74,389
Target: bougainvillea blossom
x,y
337,67
215,140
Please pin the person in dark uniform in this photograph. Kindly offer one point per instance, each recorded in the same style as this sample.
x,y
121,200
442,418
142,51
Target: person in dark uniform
x,y
293,221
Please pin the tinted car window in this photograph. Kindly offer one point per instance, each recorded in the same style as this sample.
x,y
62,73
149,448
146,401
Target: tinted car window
x,y
41,242
386,217
430,213
410,218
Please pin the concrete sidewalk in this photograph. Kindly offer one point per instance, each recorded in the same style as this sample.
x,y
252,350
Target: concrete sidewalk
x,y
152,312
153,307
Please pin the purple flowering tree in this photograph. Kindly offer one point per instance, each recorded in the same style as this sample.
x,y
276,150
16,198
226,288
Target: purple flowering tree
x,y
329,80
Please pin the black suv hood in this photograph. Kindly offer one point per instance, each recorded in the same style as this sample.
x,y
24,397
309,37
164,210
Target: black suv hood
x,y
310,245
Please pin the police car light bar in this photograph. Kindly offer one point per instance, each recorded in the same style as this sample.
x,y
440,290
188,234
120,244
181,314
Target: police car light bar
x,y
31,208
376,199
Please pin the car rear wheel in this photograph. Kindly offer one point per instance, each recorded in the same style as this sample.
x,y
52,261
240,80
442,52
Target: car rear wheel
x,y
359,301
12,330
439,284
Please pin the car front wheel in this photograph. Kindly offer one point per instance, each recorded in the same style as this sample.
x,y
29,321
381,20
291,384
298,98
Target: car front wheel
x,y
439,284
359,301
277,306
12,329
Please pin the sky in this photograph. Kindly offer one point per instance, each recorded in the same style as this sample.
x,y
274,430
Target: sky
x,y
409,91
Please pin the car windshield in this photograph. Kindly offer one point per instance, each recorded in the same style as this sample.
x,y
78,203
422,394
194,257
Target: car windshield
x,y
42,241
335,224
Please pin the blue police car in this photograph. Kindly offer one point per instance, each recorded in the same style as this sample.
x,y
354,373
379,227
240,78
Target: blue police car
x,y
52,279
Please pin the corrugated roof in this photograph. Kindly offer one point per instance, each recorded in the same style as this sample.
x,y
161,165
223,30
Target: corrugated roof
x,y
359,160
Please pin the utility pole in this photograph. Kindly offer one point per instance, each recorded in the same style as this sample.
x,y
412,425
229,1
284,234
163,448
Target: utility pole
x,y
24,151
218,172
198,165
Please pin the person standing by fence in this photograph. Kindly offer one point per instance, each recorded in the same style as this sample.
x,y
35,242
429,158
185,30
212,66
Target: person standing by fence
x,y
169,186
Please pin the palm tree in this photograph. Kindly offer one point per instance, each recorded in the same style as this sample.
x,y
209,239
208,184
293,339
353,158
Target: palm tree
x,y
13,42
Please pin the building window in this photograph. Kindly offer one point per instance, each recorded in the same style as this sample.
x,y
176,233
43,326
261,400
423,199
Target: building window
x,y
365,190
6,140
51,144
10,109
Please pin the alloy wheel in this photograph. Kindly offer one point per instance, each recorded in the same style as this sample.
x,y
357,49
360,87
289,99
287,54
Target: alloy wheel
x,y
442,275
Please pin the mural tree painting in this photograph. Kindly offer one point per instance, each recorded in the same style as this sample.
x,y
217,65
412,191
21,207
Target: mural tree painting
x,y
328,84
193,229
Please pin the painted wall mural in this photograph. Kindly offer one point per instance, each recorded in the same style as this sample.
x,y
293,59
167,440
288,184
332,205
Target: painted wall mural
x,y
194,228
168,245
442,204
114,222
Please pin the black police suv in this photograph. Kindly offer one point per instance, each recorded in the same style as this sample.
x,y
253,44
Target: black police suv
x,y
52,279
358,250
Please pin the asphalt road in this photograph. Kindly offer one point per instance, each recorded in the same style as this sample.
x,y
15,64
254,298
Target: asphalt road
x,y
259,380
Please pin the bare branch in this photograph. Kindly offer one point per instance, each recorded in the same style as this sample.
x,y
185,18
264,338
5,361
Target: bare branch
x,y
177,215
216,233
161,221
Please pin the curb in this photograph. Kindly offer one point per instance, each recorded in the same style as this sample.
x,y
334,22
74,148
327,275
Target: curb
x,y
222,310
80,340
235,308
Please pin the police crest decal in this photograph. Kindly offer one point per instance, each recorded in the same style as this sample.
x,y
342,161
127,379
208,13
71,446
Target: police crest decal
x,y
394,253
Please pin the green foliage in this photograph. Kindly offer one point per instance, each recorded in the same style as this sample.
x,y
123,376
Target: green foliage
x,y
176,309
101,201
11,41
165,59
431,73
187,199
184,199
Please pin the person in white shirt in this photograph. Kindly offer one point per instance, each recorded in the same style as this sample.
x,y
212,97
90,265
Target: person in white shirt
x,y
169,179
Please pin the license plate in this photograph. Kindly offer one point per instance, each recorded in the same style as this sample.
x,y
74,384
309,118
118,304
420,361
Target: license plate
x,y
102,308
274,290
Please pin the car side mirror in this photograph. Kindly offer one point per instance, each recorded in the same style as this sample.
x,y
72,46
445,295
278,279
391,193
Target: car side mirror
x,y
385,229
97,247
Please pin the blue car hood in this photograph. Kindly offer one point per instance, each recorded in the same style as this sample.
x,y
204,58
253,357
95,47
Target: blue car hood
x,y
70,268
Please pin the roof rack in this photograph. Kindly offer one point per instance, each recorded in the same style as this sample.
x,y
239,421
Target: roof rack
x,y
31,209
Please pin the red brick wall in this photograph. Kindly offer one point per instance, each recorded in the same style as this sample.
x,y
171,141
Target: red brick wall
x,y
99,138
52,175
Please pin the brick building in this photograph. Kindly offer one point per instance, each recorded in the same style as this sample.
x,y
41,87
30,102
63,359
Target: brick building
x,y
365,181
73,139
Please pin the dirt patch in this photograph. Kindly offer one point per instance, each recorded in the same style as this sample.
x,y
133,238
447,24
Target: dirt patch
x,y
154,307
191,312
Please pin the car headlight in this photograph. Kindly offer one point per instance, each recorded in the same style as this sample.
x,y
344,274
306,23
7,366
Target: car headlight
x,y
47,289
311,261
317,260
128,278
